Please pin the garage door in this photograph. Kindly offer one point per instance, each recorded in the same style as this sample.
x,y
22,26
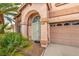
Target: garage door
x,y
66,33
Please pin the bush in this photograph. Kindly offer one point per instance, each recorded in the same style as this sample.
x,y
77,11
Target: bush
x,y
3,27
11,42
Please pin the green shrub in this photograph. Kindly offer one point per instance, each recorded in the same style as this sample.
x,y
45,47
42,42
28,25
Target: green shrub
x,y
3,27
10,43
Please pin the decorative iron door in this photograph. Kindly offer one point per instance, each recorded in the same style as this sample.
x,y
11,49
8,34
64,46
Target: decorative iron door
x,y
36,29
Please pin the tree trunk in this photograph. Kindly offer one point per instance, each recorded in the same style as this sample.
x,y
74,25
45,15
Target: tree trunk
x,y
1,19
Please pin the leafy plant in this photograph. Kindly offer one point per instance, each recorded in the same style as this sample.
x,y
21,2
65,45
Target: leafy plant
x,y
10,43
8,11
2,27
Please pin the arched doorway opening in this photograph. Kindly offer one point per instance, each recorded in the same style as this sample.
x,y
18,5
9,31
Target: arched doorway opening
x,y
34,27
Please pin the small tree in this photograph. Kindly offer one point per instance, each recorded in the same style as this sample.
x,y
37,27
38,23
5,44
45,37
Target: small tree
x,y
7,10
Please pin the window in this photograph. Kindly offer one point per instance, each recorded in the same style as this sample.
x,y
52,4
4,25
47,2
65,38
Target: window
x,y
76,23
60,4
59,24
66,24
52,25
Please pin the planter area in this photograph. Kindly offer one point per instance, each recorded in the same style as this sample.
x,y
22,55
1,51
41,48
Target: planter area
x,y
14,44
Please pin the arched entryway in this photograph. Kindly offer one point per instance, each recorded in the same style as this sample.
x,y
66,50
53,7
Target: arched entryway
x,y
34,26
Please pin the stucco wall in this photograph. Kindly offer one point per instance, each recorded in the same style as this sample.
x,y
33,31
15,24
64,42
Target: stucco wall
x,y
68,12
71,17
42,10
66,6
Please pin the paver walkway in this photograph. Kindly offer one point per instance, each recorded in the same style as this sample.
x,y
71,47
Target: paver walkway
x,y
61,50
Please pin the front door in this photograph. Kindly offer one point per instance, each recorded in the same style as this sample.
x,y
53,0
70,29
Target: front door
x,y
36,29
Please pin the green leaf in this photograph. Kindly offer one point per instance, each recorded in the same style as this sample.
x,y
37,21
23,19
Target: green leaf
x,y
2,27
12,14
9,19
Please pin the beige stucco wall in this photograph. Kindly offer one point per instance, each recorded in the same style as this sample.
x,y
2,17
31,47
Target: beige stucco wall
x,y
70,17
42,10
44,32
69,5
39,7
68,12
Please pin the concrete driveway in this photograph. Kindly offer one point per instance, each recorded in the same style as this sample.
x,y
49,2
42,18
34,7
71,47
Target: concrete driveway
x,y
61,50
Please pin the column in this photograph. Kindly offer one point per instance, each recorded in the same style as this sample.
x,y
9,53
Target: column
x,y
44,34
24,29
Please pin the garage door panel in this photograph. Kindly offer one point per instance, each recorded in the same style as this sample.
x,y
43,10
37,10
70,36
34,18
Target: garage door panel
x,y
64,30
66,27
68,35
66,42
